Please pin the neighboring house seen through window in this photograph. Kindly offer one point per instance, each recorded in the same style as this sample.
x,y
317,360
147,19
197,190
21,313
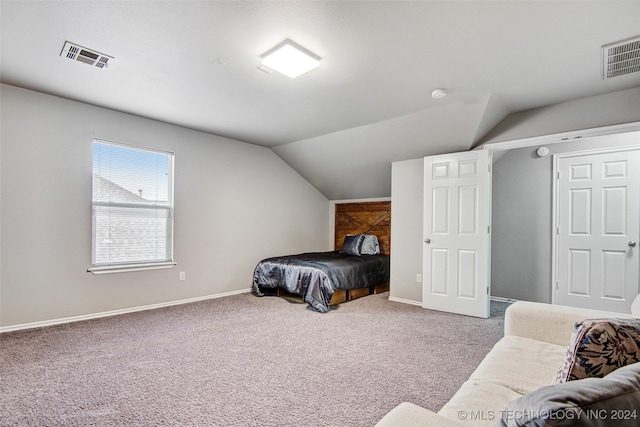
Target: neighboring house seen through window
x,y
132,208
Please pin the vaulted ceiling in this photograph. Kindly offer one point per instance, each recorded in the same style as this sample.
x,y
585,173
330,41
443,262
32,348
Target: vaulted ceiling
x,y
195,64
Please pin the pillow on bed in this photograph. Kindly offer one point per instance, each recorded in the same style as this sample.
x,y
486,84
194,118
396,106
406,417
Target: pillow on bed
x,y
370,245
352,245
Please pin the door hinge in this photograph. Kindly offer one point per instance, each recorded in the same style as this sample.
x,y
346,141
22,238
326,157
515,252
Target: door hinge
x,y
558,230
558,176
488,229
487,290
557,285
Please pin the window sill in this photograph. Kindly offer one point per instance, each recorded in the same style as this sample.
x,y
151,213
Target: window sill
x,y
122,268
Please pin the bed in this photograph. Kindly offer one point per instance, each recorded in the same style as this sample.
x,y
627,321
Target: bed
x,y
358,266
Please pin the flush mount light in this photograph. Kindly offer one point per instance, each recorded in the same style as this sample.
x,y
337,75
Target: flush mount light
x,y
290,59
438,93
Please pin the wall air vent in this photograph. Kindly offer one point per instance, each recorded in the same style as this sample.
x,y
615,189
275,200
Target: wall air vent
x,y
78,53
621,58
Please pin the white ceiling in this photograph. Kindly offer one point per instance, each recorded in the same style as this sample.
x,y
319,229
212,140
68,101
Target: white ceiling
x,y
380,62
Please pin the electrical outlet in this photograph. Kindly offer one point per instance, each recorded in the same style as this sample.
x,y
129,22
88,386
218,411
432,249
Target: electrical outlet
x,y
183,275
419,278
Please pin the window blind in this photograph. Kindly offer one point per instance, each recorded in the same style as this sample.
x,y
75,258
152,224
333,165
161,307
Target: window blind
x,y
132,200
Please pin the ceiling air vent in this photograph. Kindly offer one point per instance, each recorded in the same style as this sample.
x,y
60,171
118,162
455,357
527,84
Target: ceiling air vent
x,y
88,56
621,58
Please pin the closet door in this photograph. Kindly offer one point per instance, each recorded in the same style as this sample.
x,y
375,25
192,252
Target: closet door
x,y
456,233
598,229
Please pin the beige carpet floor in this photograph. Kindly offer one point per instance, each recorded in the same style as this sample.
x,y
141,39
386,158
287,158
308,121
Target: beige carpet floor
x,y
241,361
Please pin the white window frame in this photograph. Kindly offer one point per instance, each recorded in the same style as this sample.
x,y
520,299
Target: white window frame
x,y
119,267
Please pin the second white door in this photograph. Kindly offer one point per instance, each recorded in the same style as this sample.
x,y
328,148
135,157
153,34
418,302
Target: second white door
x,y
598,205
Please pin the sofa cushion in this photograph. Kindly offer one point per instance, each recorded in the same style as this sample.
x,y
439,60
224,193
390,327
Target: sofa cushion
x,y
594,402
548,322
515,366
478,403
520,364
600,346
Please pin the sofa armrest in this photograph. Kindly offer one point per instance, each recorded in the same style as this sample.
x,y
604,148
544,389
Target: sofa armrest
x,y
407,415
548,322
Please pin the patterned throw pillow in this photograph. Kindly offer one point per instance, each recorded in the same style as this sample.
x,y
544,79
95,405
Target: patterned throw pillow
x,y
600,346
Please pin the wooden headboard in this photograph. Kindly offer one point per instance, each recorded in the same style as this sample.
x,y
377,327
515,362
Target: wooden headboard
x,y
364,218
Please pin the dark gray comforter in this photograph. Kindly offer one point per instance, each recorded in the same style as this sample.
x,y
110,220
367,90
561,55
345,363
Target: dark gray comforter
x,y
315,276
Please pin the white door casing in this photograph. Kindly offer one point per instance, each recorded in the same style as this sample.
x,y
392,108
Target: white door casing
x,y
598,227
456,233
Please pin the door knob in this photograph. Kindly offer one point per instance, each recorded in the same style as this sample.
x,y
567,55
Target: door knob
x,y
427,240
632,244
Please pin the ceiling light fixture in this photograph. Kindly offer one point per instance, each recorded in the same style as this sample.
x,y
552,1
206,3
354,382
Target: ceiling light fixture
x,y
438,93
290,59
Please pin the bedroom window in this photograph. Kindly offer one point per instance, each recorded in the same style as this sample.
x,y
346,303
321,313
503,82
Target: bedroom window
x,y
132,208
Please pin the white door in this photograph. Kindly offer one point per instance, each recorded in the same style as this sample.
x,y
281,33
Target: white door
x,y
456,233
598,219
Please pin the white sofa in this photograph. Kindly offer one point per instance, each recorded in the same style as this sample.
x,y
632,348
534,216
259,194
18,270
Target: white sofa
x,y
534,345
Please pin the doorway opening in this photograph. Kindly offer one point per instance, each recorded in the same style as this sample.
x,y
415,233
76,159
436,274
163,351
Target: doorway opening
x,y
522,238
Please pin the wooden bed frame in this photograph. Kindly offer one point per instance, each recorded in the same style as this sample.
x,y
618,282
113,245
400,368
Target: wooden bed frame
x,y
358,218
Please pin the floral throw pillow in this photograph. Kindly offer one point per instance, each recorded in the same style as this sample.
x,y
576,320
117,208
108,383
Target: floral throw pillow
x,y
600,346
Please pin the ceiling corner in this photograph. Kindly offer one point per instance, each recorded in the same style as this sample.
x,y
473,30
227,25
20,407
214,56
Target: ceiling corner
x,y
495,111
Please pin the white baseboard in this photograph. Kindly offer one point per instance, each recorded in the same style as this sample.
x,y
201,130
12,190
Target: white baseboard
x,y
500,299
115,312
419,303
406,301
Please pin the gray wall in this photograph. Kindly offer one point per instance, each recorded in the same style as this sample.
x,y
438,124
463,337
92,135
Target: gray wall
x,y
521,238
406,230
235,203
